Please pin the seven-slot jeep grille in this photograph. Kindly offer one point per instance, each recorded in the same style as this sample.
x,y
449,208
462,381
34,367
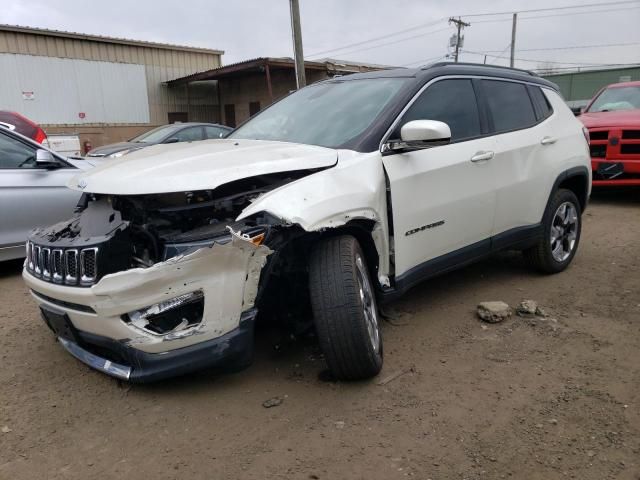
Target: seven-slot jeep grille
x,y
68,266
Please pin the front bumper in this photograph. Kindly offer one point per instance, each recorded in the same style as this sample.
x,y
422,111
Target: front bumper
x,y
228,277
229,352
630,174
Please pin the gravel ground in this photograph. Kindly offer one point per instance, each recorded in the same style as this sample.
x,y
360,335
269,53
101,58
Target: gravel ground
x,y
535,398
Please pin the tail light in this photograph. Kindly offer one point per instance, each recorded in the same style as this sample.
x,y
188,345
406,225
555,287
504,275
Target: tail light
x,y
40,136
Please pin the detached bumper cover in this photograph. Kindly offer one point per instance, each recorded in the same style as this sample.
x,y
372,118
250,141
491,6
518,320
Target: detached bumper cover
x,y
231,351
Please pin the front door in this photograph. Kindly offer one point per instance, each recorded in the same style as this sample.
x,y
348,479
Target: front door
x,y
443,198
30,196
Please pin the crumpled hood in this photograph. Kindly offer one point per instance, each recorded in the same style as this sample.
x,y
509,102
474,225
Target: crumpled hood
x,y
619,118
202,165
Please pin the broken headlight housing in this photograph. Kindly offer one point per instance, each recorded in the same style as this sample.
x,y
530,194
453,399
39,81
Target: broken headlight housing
x,y
170,316
255,235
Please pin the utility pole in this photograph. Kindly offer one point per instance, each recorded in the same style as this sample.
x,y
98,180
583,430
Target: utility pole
x,y
513,39
459,25
296,31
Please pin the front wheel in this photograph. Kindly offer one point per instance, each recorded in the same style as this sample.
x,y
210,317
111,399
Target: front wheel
x,y
562,225
344,309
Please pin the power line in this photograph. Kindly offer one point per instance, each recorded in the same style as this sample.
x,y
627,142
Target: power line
x,y
393,42
435,22
572,47
540,61
425,61
550,9
382,37
607,10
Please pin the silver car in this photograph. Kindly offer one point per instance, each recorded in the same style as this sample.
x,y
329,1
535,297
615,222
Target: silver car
x,y
33,189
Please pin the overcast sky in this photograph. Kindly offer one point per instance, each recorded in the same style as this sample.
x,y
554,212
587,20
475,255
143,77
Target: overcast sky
x,y
252,28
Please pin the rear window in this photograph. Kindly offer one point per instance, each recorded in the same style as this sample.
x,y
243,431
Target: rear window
x,y
509,105
541,102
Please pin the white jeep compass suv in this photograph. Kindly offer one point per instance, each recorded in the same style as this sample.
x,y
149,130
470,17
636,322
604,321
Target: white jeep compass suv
x,y
345,193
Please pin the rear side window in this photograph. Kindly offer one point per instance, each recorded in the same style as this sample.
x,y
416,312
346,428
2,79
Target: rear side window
x,y
214,132
450,101
541,102
190,134
509,105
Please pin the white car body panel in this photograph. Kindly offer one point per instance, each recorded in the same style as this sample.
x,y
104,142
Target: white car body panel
x,y
353,189
524,169
200,165
434,185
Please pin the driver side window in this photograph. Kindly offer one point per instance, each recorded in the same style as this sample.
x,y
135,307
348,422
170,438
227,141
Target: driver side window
x,y
15,154
450,101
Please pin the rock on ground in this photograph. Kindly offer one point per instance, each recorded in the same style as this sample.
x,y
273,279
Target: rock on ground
x,y
494,312
527,308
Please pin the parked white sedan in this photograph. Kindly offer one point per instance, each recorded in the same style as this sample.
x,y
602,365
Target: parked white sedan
x,y
33,189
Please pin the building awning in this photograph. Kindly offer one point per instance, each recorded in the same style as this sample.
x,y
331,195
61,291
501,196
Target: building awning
x,y
258,65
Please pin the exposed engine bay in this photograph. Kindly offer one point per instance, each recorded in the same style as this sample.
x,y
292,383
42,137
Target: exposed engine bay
x,y
138,231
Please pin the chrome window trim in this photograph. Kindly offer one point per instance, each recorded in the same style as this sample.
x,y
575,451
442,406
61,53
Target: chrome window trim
x,y
395,122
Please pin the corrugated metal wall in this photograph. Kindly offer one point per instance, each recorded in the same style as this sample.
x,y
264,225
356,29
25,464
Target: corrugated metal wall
x,y
161,64
73,91
583,86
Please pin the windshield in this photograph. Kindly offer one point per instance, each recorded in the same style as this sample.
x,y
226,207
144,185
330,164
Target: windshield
x,y
325,114
617,98
157,134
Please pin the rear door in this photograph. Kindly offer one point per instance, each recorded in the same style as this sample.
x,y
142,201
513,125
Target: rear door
x,y
30,196
524,149
443,198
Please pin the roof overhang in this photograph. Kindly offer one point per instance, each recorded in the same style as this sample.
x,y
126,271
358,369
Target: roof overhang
x,y
101,39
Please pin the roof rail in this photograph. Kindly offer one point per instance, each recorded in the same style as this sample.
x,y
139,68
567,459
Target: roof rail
x,y
483,65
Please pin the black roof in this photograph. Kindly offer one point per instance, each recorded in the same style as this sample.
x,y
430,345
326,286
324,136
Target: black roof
x,y
439,69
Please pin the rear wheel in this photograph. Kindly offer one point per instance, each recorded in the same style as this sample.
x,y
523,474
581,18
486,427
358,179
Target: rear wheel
x,y
562,224
344,309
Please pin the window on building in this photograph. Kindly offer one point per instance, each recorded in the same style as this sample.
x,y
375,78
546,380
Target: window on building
x,y
15,154
509,105
178,117
230,115
254,107
450,101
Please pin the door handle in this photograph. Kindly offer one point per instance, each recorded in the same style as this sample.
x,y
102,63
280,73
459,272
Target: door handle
x,y
548,140
482,156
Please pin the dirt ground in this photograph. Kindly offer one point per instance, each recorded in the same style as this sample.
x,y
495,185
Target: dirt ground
x,y
524,399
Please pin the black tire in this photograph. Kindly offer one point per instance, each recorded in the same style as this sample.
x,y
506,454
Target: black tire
x,y
340,316
541,256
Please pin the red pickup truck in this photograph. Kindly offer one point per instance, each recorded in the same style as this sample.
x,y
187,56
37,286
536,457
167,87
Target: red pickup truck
x,y
613,121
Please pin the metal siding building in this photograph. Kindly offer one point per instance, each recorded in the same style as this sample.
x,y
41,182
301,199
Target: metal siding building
x,y
99,86
579,87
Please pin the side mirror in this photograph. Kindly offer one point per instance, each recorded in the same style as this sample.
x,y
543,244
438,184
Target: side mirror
x,y
419,134
45,159
172,140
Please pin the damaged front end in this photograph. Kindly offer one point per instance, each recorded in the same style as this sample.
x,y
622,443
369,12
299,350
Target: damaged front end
x,y
144,287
